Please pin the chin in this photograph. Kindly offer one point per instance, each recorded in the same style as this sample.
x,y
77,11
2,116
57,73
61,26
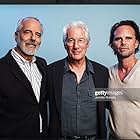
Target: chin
x,y
77,58
28,52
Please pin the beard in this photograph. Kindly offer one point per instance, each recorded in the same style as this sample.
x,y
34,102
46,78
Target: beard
x,y
25,49
124,54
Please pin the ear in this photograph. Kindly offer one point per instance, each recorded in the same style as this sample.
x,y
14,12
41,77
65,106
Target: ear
x,y
16,36
136,44
65,47
88,44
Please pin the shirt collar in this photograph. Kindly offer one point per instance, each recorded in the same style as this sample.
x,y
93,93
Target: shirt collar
x,y
66,67
89,66
18,57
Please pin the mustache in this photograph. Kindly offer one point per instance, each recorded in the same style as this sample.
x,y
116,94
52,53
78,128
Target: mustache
x,y
31,43
124,47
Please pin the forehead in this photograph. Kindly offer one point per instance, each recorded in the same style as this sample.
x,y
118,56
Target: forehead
x,y
76,31
32,24
124,29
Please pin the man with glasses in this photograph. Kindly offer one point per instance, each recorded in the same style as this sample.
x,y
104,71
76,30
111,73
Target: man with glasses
x,y
74,113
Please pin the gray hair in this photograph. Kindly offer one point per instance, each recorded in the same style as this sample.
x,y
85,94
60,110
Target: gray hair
x,y
20,23
79,24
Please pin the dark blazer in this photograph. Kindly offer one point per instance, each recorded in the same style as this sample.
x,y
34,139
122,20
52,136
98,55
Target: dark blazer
x,y
55,79
19,108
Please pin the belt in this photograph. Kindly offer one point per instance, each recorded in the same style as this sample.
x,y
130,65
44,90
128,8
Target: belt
x,y
80,137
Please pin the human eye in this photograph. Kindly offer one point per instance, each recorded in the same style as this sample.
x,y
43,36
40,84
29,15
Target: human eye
x,y
128,37
117,38
38,34
82,40
70,40
26,32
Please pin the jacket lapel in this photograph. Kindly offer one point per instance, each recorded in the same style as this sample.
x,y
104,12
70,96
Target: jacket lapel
x,y
58,82
17,72
42,68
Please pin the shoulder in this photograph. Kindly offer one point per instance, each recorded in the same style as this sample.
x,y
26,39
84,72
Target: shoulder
x,y
98,67
113,69
100,75
138,64
56,68
2,59
41,60
6,58
58,63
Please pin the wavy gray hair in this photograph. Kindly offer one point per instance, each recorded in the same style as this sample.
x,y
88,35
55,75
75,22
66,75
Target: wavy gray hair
x,y
79,24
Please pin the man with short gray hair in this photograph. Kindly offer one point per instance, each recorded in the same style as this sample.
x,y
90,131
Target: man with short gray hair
x,y
23,108
74,112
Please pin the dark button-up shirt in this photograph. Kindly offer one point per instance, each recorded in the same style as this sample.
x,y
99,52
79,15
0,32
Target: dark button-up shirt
x,y
78,114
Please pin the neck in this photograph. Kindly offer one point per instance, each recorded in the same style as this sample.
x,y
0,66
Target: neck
x,y
78,67
127,64
77,64
25,56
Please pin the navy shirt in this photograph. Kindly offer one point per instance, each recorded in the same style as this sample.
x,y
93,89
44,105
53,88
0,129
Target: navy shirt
x,y
78,116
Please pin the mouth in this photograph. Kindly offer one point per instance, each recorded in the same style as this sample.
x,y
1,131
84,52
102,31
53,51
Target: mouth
x,y
76,52
32,45
123,49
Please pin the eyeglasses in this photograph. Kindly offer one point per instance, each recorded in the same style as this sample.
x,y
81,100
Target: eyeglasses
x,y
80,41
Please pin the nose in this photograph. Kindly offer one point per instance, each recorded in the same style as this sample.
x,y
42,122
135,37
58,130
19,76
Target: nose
x,y
76,44
123,41
33,37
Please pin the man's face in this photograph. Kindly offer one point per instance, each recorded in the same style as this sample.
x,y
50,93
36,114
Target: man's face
x,y
76,43
124,42
29,36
